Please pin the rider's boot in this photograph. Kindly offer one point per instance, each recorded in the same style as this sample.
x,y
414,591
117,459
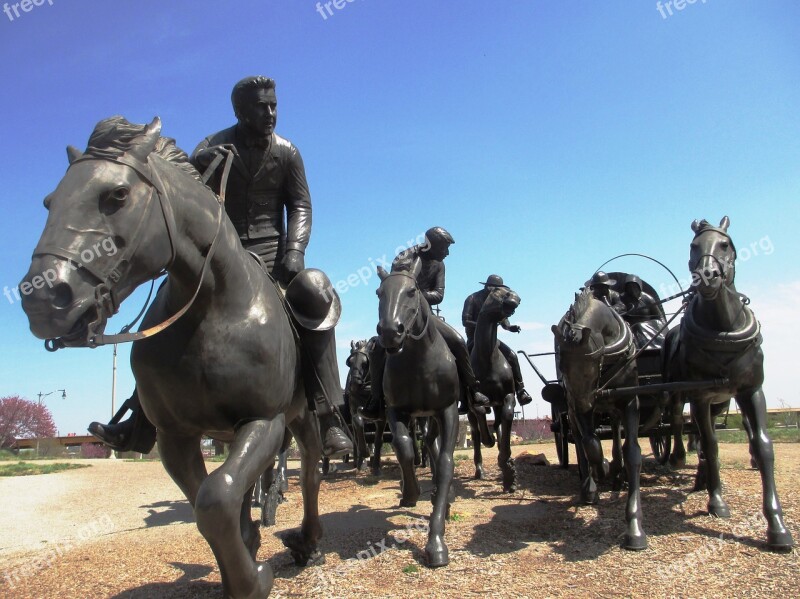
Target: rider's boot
x,y
136,433
523,397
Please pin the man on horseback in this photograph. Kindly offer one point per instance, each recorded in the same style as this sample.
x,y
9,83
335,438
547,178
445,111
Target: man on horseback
x,y
430,282
266,183
469,318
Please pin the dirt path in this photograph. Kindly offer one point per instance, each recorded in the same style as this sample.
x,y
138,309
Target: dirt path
x,y
123,530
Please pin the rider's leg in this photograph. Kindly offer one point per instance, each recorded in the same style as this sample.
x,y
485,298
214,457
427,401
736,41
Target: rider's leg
x,y
321,378
465,373
377,361
519,385
136,433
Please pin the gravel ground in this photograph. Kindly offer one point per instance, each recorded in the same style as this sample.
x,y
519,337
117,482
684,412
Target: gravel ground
x,y
122,529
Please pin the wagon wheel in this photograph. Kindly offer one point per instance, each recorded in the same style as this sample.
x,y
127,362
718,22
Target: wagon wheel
x,y
661,444
561,437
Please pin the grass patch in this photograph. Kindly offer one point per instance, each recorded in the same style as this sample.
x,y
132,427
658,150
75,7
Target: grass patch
x,y
778,435
27,469
456,517
410,569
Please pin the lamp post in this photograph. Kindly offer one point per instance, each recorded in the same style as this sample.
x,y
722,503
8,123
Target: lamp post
x,y
41,396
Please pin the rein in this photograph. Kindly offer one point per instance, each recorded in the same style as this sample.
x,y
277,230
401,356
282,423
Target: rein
x,y
416,312
104,293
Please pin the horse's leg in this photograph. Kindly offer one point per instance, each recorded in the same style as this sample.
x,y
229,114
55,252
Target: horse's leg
x,y
274,482
634,534
505,416
362,452
434,447
701,414
412,430
401,441
183,460
749,431
616,468
303,544
375,461
677,458
589,447
477,456
219,505
754,410
436,549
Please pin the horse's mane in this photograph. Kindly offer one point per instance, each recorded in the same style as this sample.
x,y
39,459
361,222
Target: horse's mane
x,y
360,344
115,136
581,304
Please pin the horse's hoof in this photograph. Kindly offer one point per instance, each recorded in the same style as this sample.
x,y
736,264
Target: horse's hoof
x,y
779,540
719,509
677,462
753,464
439,557
590,498
479,475
408,502
303,553
512,488
635,542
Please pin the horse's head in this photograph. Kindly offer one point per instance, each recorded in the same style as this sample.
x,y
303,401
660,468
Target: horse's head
x,y
358,362
100,214
400,304
499,304
712,257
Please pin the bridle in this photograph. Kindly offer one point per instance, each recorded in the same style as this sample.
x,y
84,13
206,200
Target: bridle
x,y
106,295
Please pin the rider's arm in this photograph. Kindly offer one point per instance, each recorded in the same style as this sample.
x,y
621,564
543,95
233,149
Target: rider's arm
x,y
298,203
436,294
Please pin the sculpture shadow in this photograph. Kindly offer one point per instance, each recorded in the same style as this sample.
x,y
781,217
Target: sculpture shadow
x,y
188,585
369,532
164,513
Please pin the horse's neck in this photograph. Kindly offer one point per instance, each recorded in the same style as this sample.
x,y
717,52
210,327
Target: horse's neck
x,y
600,319
419,344
485,338
196,213
725,312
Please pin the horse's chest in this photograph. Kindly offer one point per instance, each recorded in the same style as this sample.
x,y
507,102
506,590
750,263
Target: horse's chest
x,y
743,367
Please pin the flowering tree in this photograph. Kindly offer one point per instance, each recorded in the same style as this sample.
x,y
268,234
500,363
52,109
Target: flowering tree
x,y
21,419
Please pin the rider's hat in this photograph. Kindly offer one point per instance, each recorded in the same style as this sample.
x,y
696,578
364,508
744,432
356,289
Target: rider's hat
x,y
313,300
600,278
494,281
439,235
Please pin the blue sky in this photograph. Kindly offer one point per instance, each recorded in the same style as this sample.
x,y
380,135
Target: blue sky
x,y
546,136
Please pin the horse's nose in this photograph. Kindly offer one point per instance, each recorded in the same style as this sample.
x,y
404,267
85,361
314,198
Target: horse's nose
x,y
43,286
391,333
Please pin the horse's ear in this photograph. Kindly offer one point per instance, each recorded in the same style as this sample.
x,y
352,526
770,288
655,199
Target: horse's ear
x,y
73,154
352,344
725,223
382,273
147,143
557,333
696,226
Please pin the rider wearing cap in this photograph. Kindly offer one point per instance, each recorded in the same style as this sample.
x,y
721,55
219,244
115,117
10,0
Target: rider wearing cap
x,y
269,204
469,318
430,282
600,284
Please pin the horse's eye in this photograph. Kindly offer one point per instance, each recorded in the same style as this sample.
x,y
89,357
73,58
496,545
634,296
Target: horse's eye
x,y
118,195
725,245
411,292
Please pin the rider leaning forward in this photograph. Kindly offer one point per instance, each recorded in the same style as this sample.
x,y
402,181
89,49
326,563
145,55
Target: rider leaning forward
x,y
430,282
267,184
469,318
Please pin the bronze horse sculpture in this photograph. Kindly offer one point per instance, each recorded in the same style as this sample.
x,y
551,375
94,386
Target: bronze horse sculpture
x,y
719,337
497,383
420,379
594,348
358,387
228,368
357,391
